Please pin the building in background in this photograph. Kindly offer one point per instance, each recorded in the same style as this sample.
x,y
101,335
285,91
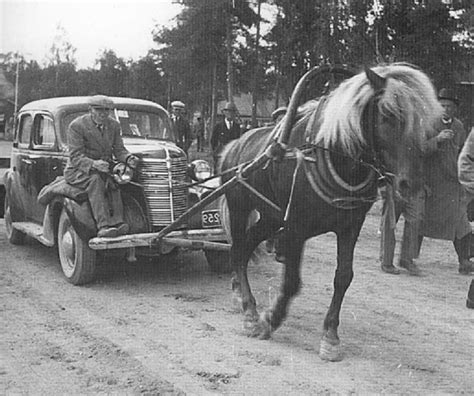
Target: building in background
x,y
243,102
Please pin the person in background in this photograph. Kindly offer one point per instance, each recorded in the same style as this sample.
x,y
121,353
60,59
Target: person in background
x,y
225,131
181,127
466,178
445,214
94,140
199,129
412,210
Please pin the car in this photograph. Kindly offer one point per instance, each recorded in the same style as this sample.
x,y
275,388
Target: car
x,y
40,204
5,150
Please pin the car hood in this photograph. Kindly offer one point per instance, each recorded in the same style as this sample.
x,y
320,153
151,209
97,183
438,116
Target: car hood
x,y
151,148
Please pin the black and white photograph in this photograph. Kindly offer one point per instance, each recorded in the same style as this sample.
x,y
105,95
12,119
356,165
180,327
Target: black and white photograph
x,y
236,197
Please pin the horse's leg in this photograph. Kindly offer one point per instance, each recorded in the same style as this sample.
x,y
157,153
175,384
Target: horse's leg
x,y
330,344
272,318
244,243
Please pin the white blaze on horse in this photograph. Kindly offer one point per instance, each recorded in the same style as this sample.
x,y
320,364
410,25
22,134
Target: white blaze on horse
x,y
370,127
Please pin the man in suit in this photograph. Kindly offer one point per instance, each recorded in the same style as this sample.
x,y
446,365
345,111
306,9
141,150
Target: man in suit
x,y
225,131
466,178
94,140
181,127
446,204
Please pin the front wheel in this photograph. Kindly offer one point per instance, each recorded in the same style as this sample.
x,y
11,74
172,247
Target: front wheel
x,y
78,261
219,261
14,236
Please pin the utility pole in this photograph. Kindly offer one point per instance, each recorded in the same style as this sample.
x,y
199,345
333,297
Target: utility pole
x,y
256,69
16,85
230,71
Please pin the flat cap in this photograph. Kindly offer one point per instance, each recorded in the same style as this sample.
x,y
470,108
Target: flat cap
x,y
178,104
230,107
448,94
101,101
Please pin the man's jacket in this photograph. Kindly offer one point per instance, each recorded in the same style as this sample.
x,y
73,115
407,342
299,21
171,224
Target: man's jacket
x,y
87,143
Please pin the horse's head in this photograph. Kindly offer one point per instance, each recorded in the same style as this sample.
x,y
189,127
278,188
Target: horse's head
x,y
397,120
386,112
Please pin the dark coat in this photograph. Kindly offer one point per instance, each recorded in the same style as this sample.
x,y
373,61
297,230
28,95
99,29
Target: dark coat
x,y
446,205
221,135
182,132
87,143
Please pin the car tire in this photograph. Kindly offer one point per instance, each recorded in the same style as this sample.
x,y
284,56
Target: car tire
x,y
78,261
218,261
14,236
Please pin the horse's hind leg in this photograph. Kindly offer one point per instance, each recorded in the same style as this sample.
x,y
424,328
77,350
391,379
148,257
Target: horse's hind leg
x,y
244,243
240,253
273,317
330,344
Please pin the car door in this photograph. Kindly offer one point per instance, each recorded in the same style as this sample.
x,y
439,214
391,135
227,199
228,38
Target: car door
x,y
19,189
45,160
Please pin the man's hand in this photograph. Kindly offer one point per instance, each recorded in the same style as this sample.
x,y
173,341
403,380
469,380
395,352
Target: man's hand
x,y
101,166
132,161
445,134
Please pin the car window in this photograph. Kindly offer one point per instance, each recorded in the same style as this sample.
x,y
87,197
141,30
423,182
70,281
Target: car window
x,y
134,123
43,132
144,124
24,131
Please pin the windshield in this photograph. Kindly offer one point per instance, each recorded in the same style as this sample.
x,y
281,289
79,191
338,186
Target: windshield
x,y
135,123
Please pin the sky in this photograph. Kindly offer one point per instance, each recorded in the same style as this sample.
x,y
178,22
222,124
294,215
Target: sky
x,y
125,26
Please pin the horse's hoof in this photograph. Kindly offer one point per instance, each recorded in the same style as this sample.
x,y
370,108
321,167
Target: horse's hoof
x,y
260,329
237,301
250,321
330,350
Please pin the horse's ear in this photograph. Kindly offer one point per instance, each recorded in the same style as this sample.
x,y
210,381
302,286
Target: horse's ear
x,y
378,82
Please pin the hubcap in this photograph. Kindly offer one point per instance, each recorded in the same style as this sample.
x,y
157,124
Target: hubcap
x,y
8,218
68,261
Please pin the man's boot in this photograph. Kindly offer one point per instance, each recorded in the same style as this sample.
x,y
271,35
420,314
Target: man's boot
x,y
390,269
411,267
465,267
470,296
462,247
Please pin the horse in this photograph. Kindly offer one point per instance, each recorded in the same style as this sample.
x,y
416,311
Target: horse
x,y
369,128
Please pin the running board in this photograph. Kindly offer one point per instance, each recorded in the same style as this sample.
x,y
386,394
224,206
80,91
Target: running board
x,y
33,230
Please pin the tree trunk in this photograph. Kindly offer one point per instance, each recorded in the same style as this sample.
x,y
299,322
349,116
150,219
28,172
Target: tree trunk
x,y
213,100
230,71
256,70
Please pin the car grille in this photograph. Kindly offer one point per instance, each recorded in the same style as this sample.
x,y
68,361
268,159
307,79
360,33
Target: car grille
x,y
163,182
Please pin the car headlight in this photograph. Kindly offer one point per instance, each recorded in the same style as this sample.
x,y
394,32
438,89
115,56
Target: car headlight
x,y
200,170
122,173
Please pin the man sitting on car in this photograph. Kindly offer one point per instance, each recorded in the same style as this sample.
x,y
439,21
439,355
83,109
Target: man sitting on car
x,y
94,139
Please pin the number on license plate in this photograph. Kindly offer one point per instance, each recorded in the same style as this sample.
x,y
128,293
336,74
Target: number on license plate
x,y
211,218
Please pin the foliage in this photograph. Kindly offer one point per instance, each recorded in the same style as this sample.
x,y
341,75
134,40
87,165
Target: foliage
x,y
190,60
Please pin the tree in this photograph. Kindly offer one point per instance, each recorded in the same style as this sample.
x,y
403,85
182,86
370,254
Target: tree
x,y
192,54
112,74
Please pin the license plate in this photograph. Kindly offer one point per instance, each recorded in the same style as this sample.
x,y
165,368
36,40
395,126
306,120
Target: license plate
x,y
211,218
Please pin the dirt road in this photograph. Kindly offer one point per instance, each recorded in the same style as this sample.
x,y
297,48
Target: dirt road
x,y
145,329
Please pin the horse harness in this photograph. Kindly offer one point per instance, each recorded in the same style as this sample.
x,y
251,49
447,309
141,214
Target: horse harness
x,y
322,176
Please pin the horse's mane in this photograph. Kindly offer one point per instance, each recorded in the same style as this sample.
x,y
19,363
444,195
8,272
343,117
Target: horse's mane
x,y
409,96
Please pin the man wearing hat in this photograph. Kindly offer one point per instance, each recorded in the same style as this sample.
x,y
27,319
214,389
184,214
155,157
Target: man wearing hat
x,y
226,130
181,127
446,204
94,139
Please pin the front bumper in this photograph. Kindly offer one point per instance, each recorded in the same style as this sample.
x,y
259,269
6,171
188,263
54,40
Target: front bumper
x,y
197,239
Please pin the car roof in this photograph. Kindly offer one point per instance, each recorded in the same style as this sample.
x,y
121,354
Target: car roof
x,y
57,103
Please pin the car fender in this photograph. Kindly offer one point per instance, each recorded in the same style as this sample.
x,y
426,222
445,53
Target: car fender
x,y
80,215
17,212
